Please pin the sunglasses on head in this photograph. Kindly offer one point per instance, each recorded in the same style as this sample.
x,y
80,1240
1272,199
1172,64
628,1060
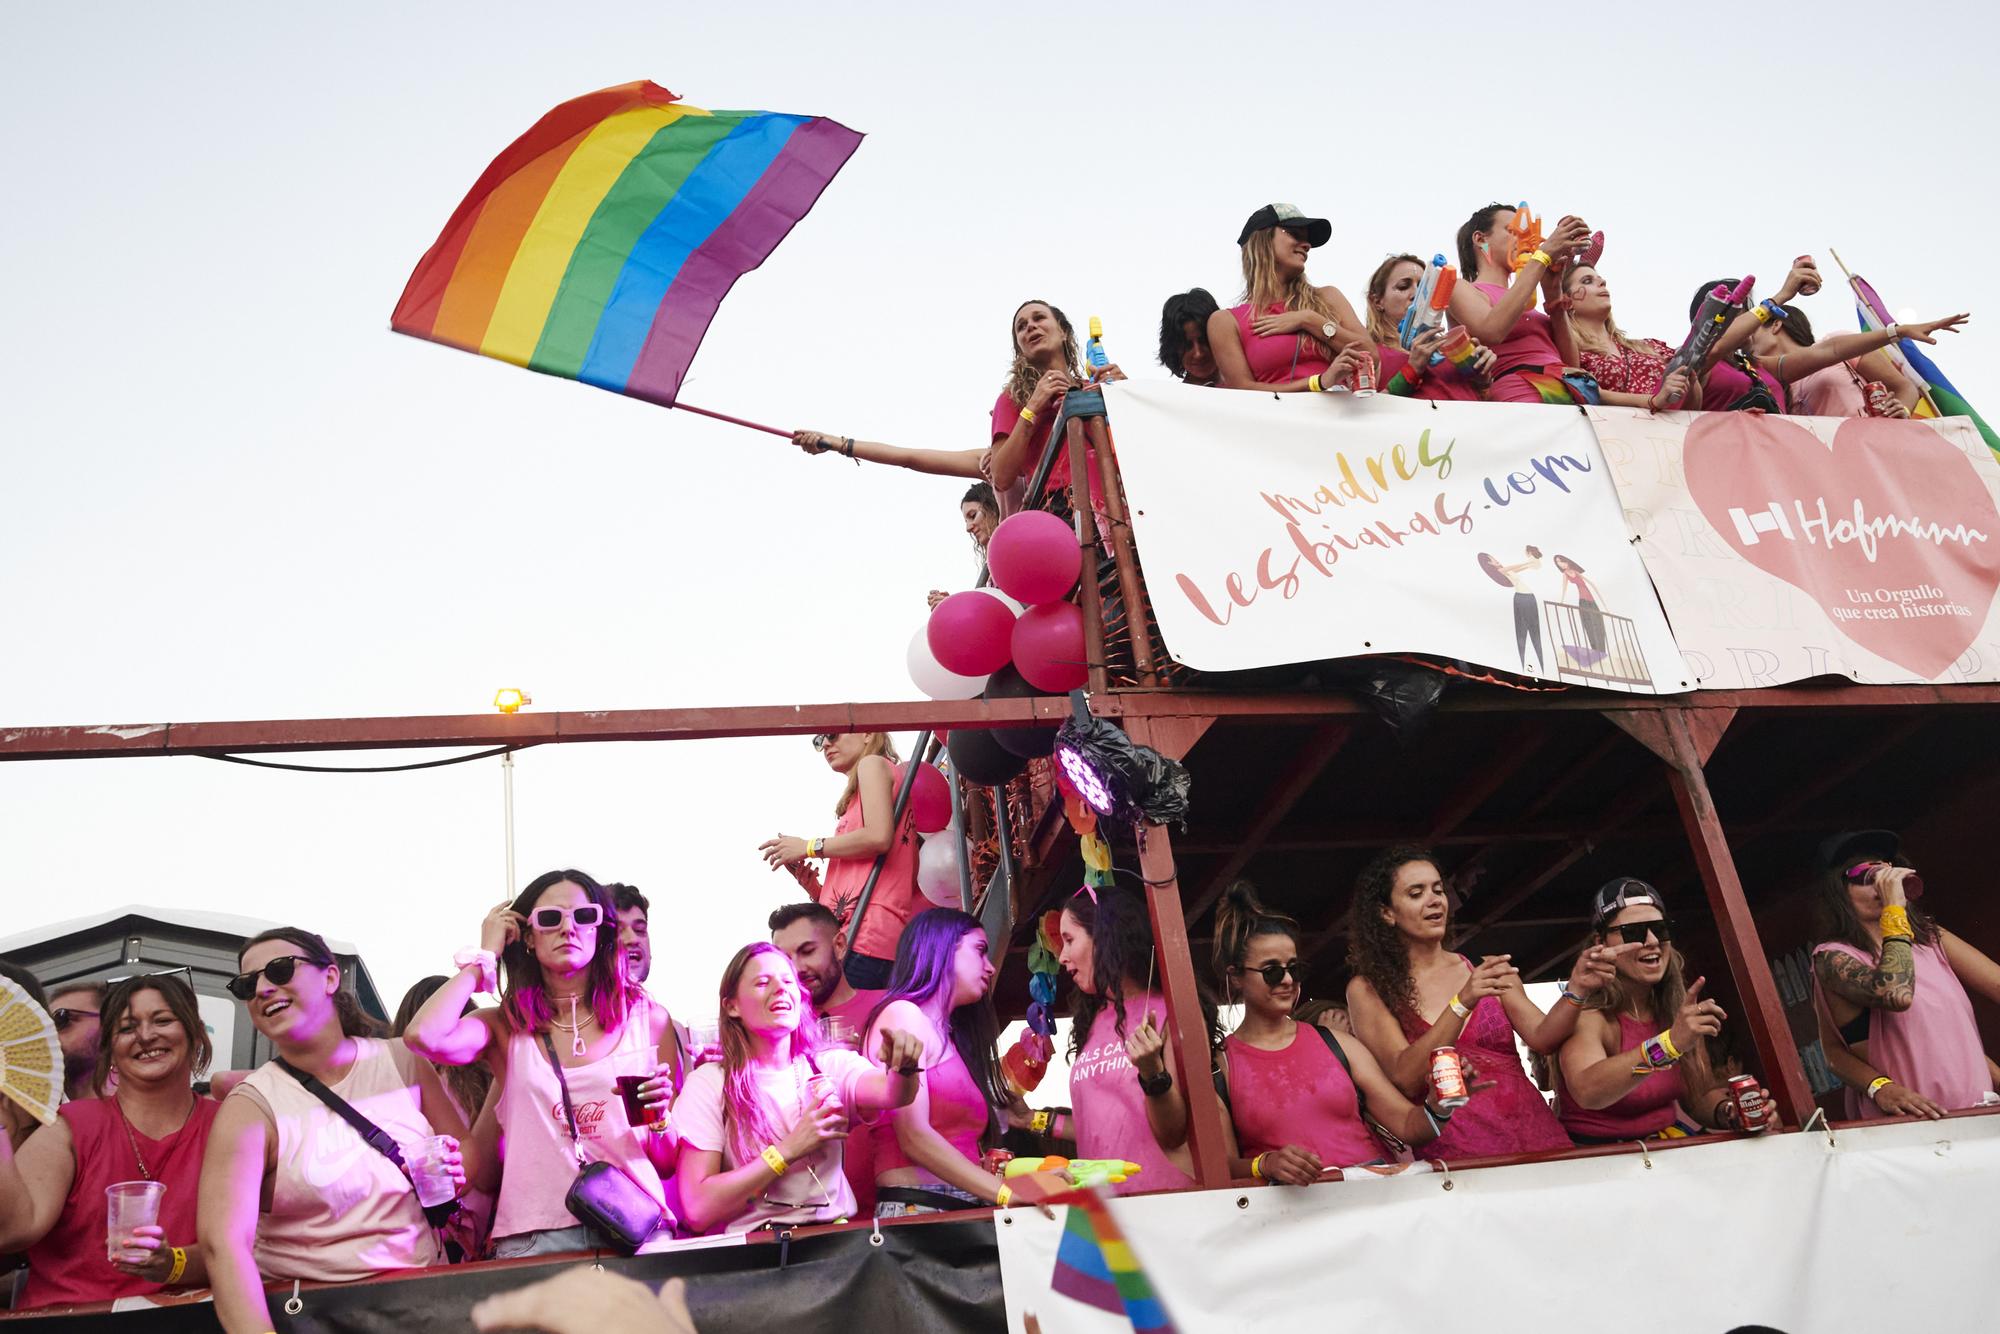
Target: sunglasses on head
x,y
552,919
1634,933
1274,973
244,985
64,1016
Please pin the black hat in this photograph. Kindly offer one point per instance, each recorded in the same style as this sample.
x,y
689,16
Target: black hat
x,y
1613,896
1318,230
1839,851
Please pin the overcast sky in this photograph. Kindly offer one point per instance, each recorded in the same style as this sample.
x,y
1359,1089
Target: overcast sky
x,y
232,493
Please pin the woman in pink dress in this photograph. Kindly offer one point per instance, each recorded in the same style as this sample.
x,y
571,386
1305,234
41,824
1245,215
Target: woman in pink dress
x,y
1639,1063
866,829
1895,1020
1495,303
1412,373
1630,372
1410,996
1287,336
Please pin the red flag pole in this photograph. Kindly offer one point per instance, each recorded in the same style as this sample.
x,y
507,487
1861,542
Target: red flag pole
x,y
733,421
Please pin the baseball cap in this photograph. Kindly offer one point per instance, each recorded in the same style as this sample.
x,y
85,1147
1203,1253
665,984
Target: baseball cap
x,y
1839,851
1318,230
1614,896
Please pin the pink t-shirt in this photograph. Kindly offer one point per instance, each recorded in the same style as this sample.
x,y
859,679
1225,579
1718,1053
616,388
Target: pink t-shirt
x,y
1932,1047
1830,391
68,1266
815,1189
1440,381
1005,413
1647,1108
896,898
1531,342
1299,1094
1110,1109
1277,358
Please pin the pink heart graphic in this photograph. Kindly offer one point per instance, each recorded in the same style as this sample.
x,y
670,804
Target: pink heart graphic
x,y
1786,503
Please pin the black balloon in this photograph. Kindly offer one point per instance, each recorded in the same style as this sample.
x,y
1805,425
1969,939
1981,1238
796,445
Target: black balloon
x,y
1027,742
979,758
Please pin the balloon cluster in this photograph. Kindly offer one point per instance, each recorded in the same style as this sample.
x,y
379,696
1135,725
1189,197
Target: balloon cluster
x,y
1021,637
1028,1059
939,854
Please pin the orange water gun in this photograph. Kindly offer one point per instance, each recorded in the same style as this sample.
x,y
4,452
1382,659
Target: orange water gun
x,y
1526,230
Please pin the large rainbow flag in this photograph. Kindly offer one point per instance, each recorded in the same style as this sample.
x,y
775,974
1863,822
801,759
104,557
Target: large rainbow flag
x,y
1095,1265
1940,395
599,244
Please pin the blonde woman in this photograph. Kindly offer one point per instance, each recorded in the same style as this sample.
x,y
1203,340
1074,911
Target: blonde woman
x,y
864,831
1287,336
1630,372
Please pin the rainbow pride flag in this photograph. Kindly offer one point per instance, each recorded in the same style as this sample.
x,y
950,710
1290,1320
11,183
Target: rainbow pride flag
x,y
1939,394
1095,1265
599,244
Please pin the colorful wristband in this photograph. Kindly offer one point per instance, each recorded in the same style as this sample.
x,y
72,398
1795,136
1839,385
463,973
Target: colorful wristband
x,y
775,1160
1875,1085
1004,1197
1460,1008
180,1267
1572,997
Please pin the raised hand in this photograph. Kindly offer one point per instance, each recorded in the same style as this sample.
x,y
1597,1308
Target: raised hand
x,y
1495,975
1598,964
501,927
1146,1046
1052,386
900,1052
782,850
1922,332
1696,1018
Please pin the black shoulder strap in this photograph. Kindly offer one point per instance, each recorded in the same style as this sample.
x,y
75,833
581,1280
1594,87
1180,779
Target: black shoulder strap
x,y
1339,1054
376,1138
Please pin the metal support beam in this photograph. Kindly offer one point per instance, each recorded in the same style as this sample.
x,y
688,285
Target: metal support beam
x,y
1308,762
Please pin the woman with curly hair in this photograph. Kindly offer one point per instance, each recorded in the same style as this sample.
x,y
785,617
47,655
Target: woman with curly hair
x,y
1288,336
1411,996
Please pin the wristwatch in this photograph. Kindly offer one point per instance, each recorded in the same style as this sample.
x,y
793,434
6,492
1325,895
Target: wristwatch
x,y
1329,330
1156,1085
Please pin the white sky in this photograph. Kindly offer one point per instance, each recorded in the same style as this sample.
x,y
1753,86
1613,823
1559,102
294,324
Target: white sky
x,y
232,493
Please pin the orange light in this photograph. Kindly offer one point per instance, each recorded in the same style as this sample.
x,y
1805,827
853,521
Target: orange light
x,y
510,700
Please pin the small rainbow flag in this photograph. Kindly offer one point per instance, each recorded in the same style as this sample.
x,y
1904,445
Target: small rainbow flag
x,y
1095,1265
599,244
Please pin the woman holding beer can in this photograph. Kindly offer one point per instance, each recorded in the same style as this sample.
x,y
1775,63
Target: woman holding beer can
x,y
1288,336
1895,1019
1639,1057
1430,1015
152,1129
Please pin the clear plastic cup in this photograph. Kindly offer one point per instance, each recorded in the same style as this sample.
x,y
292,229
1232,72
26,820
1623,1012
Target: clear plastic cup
x,y
705,1039
426,1161
128,1205
840,1031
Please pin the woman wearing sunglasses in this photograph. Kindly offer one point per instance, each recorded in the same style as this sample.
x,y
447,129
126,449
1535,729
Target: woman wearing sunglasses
x,y
1895,1020
1410,996
865,829
152,1127
289,1188
563,999
761,1130
1300,1097
1638,1065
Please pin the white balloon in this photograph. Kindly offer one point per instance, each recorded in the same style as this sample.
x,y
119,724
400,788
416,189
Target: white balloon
x,y
1014,604
930,676
937,870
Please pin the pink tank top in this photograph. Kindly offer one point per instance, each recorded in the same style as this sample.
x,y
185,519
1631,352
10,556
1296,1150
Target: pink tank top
x,y
896,898
1440,382
958,1113
1510,1117
1297,1095
1830,391
1277,358
1932,1047
1110,1110
68,1266
1529,343
540,1164
1645,1110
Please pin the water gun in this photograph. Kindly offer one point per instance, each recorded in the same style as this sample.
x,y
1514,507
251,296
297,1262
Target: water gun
x,y
1093,351
1083,1171
1527,232
1717,309
1427,307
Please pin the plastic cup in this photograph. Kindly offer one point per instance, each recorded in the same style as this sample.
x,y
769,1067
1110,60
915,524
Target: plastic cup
x,y
128,1205
639,1115
426,1161
706,1039
840,1031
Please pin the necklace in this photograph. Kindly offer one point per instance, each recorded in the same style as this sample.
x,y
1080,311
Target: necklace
x,y
575,1027
145,1172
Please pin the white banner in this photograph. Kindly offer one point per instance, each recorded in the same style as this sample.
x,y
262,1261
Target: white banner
x,y
1287,528
1889,1228
1790,547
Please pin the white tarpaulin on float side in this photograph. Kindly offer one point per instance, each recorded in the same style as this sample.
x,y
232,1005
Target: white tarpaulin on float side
x,y
1889,1228
1283,528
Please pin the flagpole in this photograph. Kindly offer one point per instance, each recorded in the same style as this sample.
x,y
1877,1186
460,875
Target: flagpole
x,y
1895,353
733,421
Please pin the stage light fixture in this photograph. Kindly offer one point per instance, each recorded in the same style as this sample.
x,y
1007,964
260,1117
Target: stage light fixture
x,y
1119,780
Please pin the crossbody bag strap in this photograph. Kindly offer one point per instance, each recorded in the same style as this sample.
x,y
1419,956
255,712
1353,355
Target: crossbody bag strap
x,y
569,1111
373,1135
1333,1045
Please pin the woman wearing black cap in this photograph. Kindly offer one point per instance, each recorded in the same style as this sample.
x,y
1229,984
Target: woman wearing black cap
x,y
1895,1020
1288,336
1639,1056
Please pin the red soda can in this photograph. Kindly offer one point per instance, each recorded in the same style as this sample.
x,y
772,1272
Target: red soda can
x,y
1754,1114
996,1160
1448,1078
1364,377
1878,398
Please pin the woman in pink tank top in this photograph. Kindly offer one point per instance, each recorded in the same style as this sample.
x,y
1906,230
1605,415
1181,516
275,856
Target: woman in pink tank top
x,y
1410,996
564,999
1286,335
1639,1058
1414,373
1494,302
152,1127
1890,984
1296,1093
866,830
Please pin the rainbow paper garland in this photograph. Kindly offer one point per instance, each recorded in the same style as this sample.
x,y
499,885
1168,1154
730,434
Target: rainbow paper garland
x,y
598,246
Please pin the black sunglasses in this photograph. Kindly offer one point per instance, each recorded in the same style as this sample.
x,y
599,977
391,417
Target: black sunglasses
x,y
244,985
1634,933
821,740
64,1016
1274,973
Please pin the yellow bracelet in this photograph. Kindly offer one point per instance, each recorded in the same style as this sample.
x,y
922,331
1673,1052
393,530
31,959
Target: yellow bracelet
x,y
1875,1085
1666,1040
775,1160
1542,257
1312,383
1895,923
1459,1007
1028,416
180,1267
1257,1167
1005,1197
1040,1124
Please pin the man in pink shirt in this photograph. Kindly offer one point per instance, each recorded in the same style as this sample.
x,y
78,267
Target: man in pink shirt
x,y
807,933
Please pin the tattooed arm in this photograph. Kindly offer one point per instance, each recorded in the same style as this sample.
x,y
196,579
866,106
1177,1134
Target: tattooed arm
x,y
1890,985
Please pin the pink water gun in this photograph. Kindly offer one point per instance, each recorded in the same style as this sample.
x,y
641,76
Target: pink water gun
x,y
1717,309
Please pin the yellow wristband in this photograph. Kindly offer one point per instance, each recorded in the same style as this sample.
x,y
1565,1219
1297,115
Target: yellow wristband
x,y
1875,1085
1028,416
1459,1007
1895,923
1040,1124
775,1160
180,1267
1005,1197
1312,383
1666,1040
1542,257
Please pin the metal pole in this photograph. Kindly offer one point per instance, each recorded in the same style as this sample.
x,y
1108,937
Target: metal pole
x,y
507,816
998,914
903,790
965,899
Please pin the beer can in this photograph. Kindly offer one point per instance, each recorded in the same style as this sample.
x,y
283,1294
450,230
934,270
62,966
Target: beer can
x,y
1364,378
1878,398
1754,1113
1448,1078
996,1160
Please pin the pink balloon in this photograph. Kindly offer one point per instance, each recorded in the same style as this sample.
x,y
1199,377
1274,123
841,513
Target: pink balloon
x,y
930,800
1033,556
1048,647
969,633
